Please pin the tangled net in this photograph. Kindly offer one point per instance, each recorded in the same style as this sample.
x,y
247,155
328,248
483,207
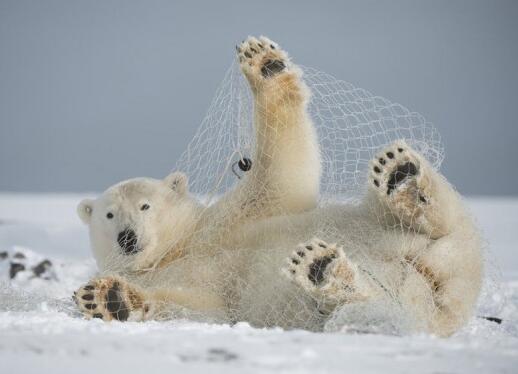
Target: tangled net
x,y
352,125
259,245
256,259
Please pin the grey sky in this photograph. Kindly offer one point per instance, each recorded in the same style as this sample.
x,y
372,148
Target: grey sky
x,y
93,92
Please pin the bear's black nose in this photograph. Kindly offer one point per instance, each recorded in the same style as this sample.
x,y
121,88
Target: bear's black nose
x,y
127,240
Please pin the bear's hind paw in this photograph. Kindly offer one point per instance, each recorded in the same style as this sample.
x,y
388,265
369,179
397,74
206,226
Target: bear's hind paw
x,y
394,167
400,178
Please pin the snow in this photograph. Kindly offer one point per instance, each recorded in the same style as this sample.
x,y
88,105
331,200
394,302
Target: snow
x,y
40,330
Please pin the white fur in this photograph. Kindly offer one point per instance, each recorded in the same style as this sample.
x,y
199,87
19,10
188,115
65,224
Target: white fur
x,y
225,260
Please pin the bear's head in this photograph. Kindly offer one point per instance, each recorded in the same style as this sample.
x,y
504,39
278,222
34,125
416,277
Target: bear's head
x,y
137,222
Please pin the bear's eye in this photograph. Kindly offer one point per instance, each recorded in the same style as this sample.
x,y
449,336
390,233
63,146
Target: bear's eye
x,y
145,207
109,215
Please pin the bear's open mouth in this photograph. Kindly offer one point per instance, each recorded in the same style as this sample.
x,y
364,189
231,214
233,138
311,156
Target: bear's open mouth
x,y
128,240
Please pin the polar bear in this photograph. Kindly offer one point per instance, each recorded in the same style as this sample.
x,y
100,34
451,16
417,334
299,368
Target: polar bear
x,y
124,225
143,224
407,257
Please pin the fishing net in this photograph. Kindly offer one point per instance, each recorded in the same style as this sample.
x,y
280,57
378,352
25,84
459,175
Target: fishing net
x,y
352,125
313,204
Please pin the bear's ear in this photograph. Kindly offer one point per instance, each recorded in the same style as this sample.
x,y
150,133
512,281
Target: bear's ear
x,y
178,182
85,209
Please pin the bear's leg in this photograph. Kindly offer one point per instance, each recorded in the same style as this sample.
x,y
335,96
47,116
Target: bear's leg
x,y
453,268
413,193
324,271
113,298
285,173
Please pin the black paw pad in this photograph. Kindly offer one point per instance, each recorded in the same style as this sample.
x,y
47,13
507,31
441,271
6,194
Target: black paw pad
x,y
317,268
272,67
115,304
401,173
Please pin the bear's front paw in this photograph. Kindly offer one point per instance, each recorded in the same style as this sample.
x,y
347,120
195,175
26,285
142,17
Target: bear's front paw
x,y
109,299
261,59
323,271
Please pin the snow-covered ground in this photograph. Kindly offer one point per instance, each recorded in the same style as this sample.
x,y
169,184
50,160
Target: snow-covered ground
x,y
40,330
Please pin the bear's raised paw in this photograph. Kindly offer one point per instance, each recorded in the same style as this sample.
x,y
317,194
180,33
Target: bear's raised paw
x,y
402,180
261,58
394,167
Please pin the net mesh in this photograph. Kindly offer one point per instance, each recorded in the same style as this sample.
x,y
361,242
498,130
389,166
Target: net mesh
x,y
352,125
318,206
